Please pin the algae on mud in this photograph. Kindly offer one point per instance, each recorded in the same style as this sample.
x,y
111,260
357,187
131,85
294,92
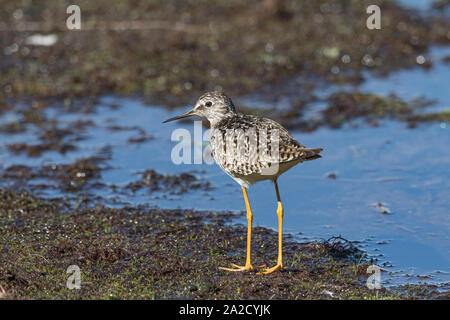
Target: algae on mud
x,y
176,184
174,52
150,253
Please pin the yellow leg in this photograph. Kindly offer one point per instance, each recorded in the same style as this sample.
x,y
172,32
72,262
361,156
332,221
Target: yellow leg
x,y
279,264
248,265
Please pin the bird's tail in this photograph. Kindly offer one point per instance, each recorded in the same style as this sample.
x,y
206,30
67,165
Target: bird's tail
x,y
312,153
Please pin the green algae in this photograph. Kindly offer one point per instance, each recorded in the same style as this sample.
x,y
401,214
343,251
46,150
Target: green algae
x,y
237,46
151,253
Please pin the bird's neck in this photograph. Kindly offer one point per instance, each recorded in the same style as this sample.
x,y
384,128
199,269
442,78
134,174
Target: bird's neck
x,y
215,119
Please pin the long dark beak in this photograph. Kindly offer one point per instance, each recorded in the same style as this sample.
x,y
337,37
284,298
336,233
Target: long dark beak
x,y
181,116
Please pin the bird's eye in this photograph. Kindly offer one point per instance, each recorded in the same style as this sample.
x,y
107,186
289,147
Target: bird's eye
x,y
208,104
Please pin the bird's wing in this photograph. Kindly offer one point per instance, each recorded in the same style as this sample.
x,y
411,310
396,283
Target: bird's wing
x,y
243,144
289,149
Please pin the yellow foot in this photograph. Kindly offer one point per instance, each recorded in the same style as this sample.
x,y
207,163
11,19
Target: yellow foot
x,y
237,268
268,271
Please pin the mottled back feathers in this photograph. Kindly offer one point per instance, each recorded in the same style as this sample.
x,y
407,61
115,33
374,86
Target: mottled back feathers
x,y
247,144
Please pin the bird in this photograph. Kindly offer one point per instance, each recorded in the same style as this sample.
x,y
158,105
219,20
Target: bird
x,y
249,149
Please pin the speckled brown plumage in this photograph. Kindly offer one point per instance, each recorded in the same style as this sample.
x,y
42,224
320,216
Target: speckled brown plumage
x,y
248,148
241,128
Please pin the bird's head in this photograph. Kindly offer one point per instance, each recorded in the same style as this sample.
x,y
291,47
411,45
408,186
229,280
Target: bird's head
x,y
213,106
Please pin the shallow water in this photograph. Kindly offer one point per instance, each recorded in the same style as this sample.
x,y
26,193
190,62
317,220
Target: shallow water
x,y
407,170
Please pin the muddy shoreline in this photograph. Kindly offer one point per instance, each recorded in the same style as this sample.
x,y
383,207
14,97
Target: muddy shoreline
x,y
151,253
243,47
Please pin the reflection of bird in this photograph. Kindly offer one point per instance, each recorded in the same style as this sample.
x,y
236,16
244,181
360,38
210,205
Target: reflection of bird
x,y
249,149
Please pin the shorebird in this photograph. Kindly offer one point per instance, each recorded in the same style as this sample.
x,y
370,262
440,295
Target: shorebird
x,y
249,149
